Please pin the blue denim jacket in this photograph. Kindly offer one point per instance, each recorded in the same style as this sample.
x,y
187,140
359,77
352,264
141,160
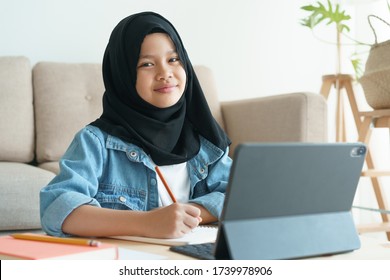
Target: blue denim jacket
x,y
102,170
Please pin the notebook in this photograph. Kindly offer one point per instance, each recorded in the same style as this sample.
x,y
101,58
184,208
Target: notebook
x,y
200,234
288,201
11,248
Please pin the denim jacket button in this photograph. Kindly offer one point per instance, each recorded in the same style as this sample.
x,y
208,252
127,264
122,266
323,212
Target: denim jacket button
x,y
153,182
122,199
201,170
133,154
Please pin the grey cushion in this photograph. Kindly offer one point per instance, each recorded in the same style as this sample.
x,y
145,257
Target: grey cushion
x,y
207,81
19,200
16,107
52,166
294,117
67,97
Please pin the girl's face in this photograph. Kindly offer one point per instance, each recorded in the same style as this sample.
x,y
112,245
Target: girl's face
x,y
161,78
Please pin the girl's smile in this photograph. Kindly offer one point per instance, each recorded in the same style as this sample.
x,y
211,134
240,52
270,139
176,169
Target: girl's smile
x,y
166,88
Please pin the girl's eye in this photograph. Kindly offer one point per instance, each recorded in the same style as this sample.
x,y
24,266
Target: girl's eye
x,y
145,64
174,59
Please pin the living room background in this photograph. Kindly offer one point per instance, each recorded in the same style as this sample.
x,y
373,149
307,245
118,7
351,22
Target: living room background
x,y
255,48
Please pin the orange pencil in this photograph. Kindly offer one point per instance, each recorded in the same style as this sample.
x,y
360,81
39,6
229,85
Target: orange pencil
x,y
47,238
165,184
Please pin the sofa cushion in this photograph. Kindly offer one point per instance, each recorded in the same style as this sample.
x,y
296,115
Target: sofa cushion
x,y
67,97
16,107
206,79
294,117
52,166
19,200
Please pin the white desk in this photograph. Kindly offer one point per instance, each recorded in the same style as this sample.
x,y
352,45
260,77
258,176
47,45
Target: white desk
x,y
371,249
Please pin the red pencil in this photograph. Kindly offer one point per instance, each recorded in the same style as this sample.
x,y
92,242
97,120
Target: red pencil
x,y
165,184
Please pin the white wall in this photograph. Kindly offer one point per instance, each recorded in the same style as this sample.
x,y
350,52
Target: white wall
x,y
255,47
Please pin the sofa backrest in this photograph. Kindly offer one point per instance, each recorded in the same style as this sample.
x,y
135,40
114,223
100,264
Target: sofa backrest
x,y
16,108
206,79
69,96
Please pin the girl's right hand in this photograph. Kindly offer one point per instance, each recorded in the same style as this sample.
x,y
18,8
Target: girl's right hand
x,y
172,221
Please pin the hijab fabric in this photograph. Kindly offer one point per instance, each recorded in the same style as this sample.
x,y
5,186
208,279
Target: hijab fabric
x,y
169,135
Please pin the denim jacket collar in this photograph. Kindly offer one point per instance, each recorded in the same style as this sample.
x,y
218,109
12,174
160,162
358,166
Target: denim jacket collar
x,y
207,155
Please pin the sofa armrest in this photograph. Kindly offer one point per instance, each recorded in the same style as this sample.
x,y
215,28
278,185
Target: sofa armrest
x,y
294,117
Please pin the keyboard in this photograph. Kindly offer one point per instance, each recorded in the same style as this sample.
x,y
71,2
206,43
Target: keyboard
x,y
202,251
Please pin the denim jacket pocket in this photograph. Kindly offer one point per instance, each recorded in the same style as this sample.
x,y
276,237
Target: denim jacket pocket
x,y
121,197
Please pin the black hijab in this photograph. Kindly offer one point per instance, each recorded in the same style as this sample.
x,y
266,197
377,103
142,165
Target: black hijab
x,y
169,135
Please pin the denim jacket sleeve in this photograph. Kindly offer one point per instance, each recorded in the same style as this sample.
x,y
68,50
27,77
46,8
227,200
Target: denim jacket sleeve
x,y
70,189
213,174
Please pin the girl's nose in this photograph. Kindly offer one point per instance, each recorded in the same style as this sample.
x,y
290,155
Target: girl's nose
x,y
164,73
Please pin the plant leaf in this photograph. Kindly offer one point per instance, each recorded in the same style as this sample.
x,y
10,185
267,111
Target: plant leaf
x,y
357,67
333,14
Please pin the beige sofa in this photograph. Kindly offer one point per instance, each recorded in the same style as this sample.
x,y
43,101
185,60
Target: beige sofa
x,y
42,107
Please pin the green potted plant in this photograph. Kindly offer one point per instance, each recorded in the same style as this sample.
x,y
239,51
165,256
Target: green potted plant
x,y
375,79
333,15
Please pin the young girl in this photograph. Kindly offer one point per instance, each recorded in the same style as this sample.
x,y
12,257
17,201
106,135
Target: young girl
x,y
154,114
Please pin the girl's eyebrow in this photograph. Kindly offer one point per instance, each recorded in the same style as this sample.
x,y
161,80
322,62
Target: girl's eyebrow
x,y
145,56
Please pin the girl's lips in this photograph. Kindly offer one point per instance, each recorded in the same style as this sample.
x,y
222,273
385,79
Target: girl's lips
x,y
165,89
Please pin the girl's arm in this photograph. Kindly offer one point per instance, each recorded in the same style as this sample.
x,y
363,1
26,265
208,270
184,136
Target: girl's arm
x,y
168,222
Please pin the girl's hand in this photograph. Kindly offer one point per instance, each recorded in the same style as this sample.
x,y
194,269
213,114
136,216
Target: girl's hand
x,y
172,221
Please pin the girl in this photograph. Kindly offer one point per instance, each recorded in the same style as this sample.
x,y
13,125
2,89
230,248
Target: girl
x,y
154,114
